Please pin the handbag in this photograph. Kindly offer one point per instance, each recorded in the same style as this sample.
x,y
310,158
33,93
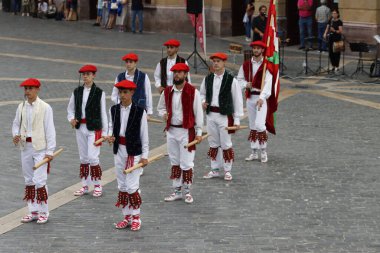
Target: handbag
x,y
114,6
338,46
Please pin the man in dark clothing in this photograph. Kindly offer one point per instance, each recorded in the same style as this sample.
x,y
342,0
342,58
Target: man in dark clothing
x,y
259,23
137,10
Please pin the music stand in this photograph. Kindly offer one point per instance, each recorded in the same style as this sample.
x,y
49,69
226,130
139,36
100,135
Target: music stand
x,y
306,69
195,52
283,42
361,48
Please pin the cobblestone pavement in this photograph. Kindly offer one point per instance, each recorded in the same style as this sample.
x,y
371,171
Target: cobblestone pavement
x,y
319,192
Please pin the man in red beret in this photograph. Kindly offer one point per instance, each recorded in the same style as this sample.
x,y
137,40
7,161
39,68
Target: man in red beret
x,y
162,75
87,113
181,107
250,78
143,93
128,128
34,132
222,99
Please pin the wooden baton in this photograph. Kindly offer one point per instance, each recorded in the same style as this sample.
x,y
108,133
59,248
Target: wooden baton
x,y
99,141
236,128
195,142
155,120
139,165
46,160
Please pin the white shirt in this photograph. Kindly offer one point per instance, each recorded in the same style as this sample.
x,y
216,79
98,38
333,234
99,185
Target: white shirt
x,y
48,126
177,110
103,111
237,97
169,74
148,92
124,114
267,90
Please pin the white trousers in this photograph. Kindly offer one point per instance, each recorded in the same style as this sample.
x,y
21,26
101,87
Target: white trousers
x,y
257,119
30,157
176,139
219,138
127,182
88,152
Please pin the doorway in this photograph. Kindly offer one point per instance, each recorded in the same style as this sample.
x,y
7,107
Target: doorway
x,y
237,14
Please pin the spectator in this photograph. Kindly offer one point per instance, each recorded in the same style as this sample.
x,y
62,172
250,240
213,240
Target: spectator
x,y
99,8
71,8
112,14
322,16
122,15
305,19
137,10
52,9
25,8
60,9
42,9
16,6
247,20
259,23
33,8
106,12
334,31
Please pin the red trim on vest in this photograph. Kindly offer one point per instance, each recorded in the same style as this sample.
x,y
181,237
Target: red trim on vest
x,y
96,172
262,137
122,199
84,170
212,153
256,79
42,195
228,155
28,139
135,200
98,135
30,193
176,172
187,176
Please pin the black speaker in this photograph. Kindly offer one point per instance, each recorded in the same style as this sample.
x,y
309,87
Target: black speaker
x,y
194,6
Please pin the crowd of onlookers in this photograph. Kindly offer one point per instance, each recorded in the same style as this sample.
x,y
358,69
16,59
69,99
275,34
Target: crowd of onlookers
x,y
110,13
330,27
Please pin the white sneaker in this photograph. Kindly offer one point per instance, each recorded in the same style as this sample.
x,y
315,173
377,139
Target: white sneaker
x,y
174,196
247,39
188,198
227,176
30,217
43,218
82,191
253,156
98,191
264,157
211,174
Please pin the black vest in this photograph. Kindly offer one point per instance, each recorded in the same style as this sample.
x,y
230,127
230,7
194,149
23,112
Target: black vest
x,y
132,132
163,65
225,94
139,97
93,107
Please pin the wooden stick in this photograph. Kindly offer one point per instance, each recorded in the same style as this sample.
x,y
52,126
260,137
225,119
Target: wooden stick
x,y
236,128
46,160
139,165
99,141
155,120
195,142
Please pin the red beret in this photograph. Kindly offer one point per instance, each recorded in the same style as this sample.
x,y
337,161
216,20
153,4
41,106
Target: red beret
x,y
258,43
219,55
180,67
88,68
31,82
130,56
126,85
172,42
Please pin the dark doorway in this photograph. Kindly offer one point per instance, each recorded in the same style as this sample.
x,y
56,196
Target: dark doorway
x,y
238,11
93,9
292,30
